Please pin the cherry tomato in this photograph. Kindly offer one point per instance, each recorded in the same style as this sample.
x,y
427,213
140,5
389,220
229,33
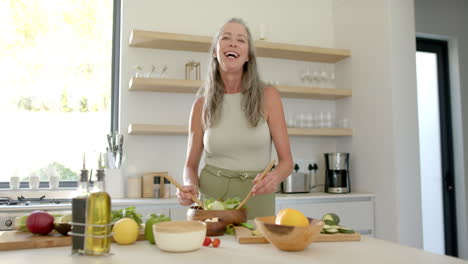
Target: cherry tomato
x,y
216,242
207,241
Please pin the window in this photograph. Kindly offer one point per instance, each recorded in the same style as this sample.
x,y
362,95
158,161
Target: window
x,y
58,67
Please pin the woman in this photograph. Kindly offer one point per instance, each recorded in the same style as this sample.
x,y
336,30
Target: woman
x,y
234,119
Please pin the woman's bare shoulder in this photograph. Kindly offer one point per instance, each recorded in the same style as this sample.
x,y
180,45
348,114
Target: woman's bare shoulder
x,y
271,93
199,101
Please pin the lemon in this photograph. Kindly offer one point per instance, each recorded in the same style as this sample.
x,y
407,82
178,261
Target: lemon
x,y
125,231
291,217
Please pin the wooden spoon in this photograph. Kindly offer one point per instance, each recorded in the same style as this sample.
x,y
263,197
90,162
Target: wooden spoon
x,y
268,168
195,199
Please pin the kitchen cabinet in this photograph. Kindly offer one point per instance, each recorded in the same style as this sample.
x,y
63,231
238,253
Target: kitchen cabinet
x,y
184,42
355,210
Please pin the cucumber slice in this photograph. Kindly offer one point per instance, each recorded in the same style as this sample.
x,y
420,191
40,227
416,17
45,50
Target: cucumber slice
x,y
345,230
335,227
331,219
326,227
331,231
328,219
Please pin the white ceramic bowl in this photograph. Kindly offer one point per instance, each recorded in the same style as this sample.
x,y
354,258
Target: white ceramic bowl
x,y
179,236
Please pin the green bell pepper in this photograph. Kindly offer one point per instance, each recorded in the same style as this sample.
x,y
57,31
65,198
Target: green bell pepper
x,y
150,221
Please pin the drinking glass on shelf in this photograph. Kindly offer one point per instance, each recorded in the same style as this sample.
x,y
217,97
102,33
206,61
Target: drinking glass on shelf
x,y
290,120
53,178
14,182
315,77
33,182
321,120
152,73
328,122
331,76
323,77
138,71
306,76
301,120
309,120
54,182
315,120
344,123
163,73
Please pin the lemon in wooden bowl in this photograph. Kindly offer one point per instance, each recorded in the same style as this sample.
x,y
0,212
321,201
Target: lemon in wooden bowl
x,y
289,237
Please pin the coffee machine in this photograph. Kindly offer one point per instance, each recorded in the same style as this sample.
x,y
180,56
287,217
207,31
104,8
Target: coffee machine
x,y
337,172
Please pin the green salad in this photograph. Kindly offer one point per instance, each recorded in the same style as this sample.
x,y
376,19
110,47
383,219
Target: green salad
x,y
228,204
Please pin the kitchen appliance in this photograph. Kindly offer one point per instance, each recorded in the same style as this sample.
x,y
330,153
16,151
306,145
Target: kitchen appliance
x,y
297,182
10,208
337,172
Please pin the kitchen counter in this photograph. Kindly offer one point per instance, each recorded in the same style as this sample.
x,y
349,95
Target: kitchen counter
x,y
172,202
369,250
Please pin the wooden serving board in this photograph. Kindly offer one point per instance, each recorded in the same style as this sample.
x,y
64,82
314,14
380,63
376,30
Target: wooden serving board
x,y
244,236
14,240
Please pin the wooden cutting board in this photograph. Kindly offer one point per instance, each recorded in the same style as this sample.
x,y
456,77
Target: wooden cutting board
x,y
244,236
14,240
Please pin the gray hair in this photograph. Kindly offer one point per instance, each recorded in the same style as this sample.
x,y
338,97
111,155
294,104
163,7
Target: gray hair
x,y
213,88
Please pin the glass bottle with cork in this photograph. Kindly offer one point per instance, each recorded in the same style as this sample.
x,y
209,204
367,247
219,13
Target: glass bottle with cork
x,y
98,225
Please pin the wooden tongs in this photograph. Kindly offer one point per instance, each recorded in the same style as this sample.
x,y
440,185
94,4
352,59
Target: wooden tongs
x,y
268,168
195,199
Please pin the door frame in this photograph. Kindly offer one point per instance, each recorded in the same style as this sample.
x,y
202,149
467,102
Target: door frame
x,y
440,48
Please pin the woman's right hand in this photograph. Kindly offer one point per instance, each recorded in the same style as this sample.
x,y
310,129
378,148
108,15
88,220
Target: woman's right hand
x,y
185,199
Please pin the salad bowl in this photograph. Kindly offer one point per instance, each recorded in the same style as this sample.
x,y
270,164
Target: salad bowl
x,y
231,216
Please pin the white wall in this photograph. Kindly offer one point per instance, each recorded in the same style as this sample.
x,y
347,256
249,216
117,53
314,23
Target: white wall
x,y
382,75
304,22
447,20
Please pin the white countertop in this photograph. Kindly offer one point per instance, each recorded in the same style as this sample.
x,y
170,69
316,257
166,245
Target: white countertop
x,y
369,250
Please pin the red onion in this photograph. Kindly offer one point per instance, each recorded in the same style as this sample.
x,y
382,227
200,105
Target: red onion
x,y
40,222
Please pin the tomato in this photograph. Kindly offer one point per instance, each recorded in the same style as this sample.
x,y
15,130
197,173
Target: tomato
x,y
207,241
216,242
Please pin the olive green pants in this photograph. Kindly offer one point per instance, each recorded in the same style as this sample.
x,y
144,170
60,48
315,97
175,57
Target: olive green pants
x,y
222,184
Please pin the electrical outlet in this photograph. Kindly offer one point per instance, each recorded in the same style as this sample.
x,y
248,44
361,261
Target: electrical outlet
x,y
307,167
312,168
302,165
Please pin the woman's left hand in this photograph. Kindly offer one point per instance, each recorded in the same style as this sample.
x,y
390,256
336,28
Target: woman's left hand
x,y
269,184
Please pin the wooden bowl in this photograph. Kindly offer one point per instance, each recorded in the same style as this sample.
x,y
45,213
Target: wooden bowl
x,y
233,216
215,228
225,217
289,238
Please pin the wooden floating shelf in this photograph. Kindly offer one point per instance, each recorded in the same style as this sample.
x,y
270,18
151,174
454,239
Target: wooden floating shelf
x,y
191,86
149,129
173,41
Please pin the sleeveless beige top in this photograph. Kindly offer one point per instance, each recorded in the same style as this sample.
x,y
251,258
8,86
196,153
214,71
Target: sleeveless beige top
x,y
233,144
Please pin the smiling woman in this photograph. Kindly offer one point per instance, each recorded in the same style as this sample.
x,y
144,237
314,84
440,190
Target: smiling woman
x,y
55,103
234,121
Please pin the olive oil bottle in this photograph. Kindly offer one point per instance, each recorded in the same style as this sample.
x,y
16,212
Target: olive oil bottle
x,y
98,218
